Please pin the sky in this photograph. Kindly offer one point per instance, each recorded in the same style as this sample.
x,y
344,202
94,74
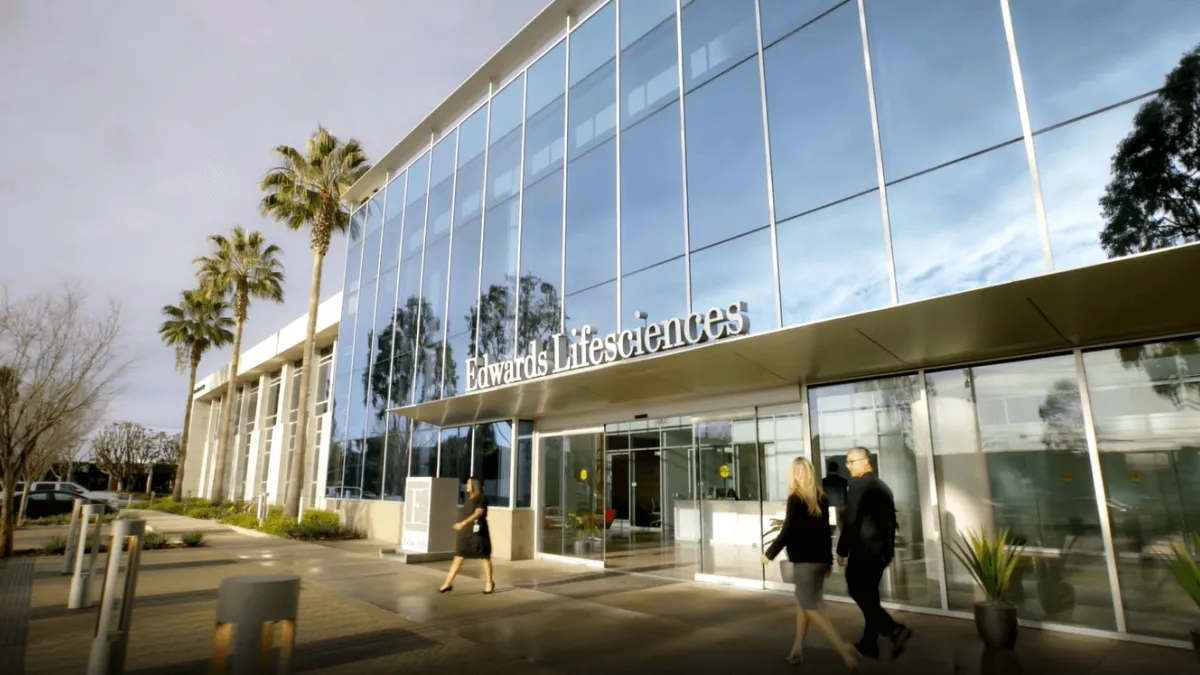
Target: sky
x,y
134,130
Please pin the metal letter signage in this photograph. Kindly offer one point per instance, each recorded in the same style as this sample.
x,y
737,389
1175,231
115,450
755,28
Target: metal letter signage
x,y
589,350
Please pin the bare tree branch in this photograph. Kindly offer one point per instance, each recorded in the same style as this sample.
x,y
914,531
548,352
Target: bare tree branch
x,y
122,449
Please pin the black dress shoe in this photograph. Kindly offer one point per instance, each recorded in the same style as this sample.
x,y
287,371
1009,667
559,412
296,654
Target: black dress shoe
x,y
867,649
899,639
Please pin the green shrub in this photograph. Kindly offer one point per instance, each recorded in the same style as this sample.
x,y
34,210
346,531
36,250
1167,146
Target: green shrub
x,y
205,512
167,505
323,517
193,503
193,539
246,520
154,541
45,521
55,546
277,525
126,515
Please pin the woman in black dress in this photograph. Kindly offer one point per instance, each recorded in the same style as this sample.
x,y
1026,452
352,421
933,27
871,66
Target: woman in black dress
x,y
808,539
474,539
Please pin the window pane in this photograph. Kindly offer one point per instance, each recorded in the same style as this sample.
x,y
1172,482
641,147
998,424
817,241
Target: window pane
x,y
727,168
660,292
649,73
639,17
352,477
822,149
780,17
472,135
357,404
389,254
878,415
372,485
717,34
506,108
433,301
593,110
591,218
1026,470
366,314
424,451
943,84
1078,56
544,141
396,461
371,241
737,271
504,167
524,473
1146,408
593,43
969,225
833,262
464,263
459,348
541,260
493,461
547,80
456,457
443,164
595,307
333,474
497,299
651,191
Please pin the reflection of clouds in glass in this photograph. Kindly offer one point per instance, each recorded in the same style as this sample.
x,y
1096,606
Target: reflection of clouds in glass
x,y
833,262
737,271
1081,55
968,225
1075,166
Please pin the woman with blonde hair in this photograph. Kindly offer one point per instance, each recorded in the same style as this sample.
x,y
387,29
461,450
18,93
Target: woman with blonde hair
x,y
808,539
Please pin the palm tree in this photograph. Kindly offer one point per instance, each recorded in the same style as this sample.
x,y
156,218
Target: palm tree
x,y
198,323
305,191
241,267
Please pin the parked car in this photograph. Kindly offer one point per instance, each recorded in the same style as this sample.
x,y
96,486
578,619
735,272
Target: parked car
x,y
44,503
76,488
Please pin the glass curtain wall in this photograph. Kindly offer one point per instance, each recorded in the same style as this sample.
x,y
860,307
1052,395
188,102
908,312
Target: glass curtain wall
x,y
571,509
271,418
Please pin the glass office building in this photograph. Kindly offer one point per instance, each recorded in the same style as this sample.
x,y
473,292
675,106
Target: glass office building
x,y
654,250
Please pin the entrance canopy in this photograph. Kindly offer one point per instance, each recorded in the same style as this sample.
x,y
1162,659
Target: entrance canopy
x,y
1141,297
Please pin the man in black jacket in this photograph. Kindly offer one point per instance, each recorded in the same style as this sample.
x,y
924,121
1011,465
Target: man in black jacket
x,y
869,540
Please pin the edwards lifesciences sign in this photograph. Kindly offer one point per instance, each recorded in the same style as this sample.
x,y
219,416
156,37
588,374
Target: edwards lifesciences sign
x,y
562,354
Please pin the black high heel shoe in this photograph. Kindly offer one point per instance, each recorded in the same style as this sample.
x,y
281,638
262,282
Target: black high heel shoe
x,y
446,589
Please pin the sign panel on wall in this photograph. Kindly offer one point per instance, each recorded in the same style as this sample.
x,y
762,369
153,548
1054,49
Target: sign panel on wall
x,y
588,349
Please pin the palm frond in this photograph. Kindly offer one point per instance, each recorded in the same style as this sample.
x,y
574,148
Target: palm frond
x,y
1186,570
198,323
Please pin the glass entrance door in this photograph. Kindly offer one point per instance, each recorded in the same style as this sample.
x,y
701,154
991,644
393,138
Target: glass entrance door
x,y
729,460
573,519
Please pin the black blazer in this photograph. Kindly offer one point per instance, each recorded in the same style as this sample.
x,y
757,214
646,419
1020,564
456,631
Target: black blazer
x,y
869,528
808,538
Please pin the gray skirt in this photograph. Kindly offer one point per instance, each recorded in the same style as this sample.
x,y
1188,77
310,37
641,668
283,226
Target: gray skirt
x,y
809,579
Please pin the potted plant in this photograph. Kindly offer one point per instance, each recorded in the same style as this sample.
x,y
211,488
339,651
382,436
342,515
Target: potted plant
x,y
991,561
584,526
1187,573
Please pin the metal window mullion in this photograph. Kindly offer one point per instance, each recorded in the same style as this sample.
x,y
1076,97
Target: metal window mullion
x,y
687,241
1093,450
487,148
617,146
762,88
395,301
520,214
514,443
879,172
1027,134
562,259
449,264
935,501
806,420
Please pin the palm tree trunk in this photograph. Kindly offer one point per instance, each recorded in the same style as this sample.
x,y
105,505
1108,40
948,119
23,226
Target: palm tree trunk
x,y
218,489
291,507
177,492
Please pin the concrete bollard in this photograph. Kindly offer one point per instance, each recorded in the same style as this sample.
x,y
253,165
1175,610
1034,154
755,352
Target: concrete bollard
x,y
85,562
110,644
262,508
73,536
248,610
186,498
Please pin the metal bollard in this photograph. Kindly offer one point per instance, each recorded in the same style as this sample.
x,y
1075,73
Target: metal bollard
x,y
262,508
81,582
187,498
248,609
109,644
73,536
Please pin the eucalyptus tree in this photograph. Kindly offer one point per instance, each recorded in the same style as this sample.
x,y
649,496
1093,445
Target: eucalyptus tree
x,y
304,191
198,323
241,267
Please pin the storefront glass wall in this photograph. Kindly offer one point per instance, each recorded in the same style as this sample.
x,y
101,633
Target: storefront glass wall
x,y
997,447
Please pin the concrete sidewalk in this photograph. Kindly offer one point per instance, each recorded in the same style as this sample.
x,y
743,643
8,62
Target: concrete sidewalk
x,y
582,620
363,614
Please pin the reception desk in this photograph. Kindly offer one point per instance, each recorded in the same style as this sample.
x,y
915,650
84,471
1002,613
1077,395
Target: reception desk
x,y
725,522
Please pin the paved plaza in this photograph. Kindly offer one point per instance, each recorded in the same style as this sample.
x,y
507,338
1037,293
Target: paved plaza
x,y
362,614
